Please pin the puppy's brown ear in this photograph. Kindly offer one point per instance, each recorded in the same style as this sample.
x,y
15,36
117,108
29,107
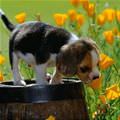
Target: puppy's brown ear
x,y
66,62
67,59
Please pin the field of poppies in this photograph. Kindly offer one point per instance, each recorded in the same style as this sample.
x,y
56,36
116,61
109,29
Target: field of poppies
x,y
98,19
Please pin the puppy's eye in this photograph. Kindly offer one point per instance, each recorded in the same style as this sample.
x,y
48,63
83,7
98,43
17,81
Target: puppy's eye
x,y
84,69
98,64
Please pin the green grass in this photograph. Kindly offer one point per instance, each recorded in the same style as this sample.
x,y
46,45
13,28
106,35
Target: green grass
x,y
47,8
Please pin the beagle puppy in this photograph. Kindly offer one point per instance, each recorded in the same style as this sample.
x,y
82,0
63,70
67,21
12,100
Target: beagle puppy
x,y
42,45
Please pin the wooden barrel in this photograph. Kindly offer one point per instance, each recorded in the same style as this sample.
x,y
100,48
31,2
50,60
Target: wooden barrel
x,y
41,102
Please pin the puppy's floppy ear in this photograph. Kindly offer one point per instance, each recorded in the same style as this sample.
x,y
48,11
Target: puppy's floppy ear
x,y
91,43
66,62
68,58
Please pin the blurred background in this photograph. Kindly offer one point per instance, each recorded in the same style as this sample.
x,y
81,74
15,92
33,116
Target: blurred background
x,y
103,98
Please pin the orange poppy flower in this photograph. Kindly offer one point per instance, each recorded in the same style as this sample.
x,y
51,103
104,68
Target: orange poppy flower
x,y
100,19
96,84
109,36
2,59
20,17
85,4
109,14
51,117
80,20
75,3
114,87
119,117
103,99
91,9
118,15
1,76
72,14
105,61
111,95
60,19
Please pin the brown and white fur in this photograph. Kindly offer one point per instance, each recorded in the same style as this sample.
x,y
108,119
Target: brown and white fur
x,y
42,45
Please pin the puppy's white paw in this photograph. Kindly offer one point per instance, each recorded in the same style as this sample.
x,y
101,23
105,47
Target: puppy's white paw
x,y
55,82
41,82
19,83
48,77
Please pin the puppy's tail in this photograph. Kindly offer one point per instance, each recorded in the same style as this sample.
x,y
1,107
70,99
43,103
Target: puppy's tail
x,y
6,21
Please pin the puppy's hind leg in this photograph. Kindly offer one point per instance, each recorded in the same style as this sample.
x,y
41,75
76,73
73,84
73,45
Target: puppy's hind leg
x,y
15,69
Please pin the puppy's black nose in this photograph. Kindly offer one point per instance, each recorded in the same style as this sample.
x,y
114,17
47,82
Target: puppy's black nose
x,y
95,77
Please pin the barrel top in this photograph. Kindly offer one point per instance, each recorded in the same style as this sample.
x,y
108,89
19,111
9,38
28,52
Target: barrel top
x,y
33,93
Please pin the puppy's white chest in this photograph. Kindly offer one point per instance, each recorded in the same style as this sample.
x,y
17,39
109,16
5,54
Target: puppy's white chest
x,y
52,60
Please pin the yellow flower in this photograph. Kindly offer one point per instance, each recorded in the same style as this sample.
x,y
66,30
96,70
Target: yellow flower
x,y
114,87
105,61
109,36
51,117
72,14
96,84
21,17
111,95
2,59
100,19
109,14
75,3
118,15
1,76
60,19
80,20
103,99
113,92
91,9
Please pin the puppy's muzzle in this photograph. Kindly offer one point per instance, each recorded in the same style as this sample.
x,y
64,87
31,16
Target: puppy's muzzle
x,y
93,76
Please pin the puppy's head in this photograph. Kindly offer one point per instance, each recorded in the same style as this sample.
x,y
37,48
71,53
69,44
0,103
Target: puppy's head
x,y
80,58
87,68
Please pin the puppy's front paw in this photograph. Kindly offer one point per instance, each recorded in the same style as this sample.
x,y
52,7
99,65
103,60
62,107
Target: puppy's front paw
x,y
48,77
19,83
54,82
41,82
